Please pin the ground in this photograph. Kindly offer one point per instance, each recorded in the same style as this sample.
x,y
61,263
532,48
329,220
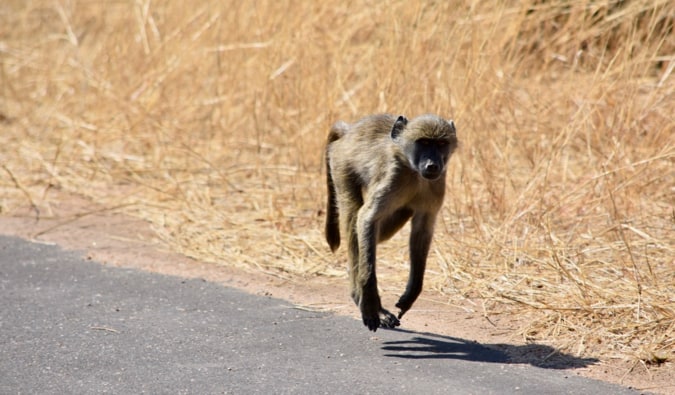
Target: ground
x,y
119,240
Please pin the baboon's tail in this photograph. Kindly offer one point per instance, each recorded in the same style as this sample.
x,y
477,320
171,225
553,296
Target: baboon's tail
x,y
332,214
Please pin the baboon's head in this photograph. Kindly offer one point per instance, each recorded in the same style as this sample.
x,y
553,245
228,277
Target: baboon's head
x,y
427,142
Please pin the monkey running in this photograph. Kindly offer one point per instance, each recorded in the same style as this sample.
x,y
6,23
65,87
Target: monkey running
x,y
381,172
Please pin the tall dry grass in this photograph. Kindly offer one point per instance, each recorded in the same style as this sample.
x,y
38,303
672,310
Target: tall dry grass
x,y
208,120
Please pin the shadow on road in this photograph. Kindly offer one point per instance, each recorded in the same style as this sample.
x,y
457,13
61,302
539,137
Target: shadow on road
x,y
422,345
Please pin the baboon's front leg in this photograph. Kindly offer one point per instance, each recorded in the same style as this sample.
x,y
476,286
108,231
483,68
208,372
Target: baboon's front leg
x,y
366,281
372,313
420,240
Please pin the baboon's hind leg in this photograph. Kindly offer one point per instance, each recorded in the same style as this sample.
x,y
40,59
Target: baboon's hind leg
x,y
392,224
348,209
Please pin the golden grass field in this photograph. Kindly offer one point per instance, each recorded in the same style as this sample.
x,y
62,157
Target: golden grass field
x,y
208,120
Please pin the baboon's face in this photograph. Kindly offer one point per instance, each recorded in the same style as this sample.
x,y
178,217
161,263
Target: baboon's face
x,y
429,156
427,142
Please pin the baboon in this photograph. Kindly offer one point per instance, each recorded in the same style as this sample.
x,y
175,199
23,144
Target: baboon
x,y
381,172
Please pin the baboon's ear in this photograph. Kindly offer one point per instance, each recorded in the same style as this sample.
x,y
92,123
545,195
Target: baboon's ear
x,y
398,127
452,125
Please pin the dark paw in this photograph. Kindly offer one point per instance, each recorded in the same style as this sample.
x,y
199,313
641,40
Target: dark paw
x,y
402,308
371,322
388,320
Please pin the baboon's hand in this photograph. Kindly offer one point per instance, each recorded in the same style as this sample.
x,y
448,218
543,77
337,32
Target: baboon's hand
x,y
403,307
371,321
370,312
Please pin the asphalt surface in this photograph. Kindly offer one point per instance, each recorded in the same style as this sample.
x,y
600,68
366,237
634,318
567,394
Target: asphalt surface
x,y
70,326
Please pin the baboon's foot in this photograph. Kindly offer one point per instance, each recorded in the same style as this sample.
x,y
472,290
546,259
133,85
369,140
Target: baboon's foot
x,y
388,320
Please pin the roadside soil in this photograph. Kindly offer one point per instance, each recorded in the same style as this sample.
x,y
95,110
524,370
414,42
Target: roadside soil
x,y
118,240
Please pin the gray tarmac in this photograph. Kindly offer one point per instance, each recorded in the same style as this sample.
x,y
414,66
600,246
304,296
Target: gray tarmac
x,y
72,326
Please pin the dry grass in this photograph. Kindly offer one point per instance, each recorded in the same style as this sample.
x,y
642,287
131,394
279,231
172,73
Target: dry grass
x,y
209,120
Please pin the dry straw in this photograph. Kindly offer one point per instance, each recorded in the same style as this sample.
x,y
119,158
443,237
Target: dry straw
x,y
208,120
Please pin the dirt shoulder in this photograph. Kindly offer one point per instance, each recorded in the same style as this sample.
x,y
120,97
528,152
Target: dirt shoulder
x,y
118,240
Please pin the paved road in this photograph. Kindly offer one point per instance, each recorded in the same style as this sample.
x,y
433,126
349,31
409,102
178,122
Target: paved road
x,y
72,326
